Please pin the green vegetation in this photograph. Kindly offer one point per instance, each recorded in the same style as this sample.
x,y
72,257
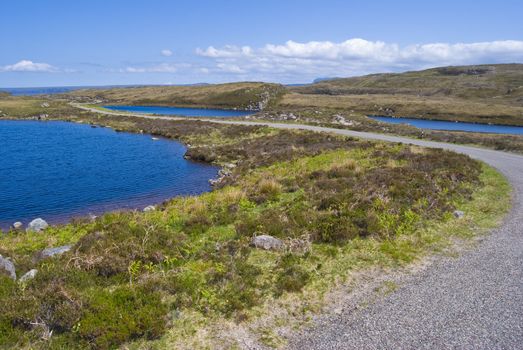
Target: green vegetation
x,y
21,107
500,81
432,107
159,278
448,92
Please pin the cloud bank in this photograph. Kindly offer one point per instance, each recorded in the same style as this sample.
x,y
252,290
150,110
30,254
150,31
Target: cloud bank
x,y
353,56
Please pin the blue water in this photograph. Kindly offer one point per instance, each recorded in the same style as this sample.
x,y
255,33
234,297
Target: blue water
x,y
59,170
186,112
453,126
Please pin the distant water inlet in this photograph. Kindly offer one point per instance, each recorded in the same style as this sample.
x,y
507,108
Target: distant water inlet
x,y
58,170
453,126
180,111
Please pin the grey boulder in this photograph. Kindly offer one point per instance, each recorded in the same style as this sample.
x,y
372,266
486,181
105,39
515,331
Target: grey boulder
x,y
50,252
37,225
28,276
149,208
17,225
458,214
7,267
266,242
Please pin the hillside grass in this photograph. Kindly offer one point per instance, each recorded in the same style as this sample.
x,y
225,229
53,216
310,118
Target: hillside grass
x,y
424,107
337,203
479,94
29,106
495,83
234,95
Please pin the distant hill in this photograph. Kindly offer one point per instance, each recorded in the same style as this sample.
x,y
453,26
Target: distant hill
x,y
246,95
500,82
319,80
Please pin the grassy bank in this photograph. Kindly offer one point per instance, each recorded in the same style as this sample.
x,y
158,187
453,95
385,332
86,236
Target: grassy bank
x,y
414,106
165,278
478,94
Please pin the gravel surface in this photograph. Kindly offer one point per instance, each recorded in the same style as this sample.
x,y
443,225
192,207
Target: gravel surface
x,y
474,301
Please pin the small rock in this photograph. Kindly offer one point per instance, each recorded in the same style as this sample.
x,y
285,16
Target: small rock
x,y
341,120
17,225
45,105
37,225
214,182
28,276
50,252
8,267
267,242
458,214
149,208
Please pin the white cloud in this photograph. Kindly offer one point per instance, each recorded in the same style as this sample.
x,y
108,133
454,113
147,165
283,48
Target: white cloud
x,y
28,66
230,68
166,53
227,51
353,48
297,61
160,68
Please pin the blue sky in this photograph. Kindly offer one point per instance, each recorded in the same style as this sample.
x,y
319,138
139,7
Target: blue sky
x,y
56,42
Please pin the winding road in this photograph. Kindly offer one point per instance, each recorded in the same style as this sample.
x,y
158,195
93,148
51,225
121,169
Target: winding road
x,y
474,301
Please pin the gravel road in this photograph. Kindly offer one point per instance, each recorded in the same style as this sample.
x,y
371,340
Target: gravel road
x,y
474,301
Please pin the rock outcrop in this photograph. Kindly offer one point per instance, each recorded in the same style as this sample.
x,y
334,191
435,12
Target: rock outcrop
x,y
18,225
149,208
28,276
339,119
37,225
267,242
7,267
50,252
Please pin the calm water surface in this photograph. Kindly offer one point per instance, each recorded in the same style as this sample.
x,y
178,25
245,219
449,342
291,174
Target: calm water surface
x,y
58,170
453,126
186,112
